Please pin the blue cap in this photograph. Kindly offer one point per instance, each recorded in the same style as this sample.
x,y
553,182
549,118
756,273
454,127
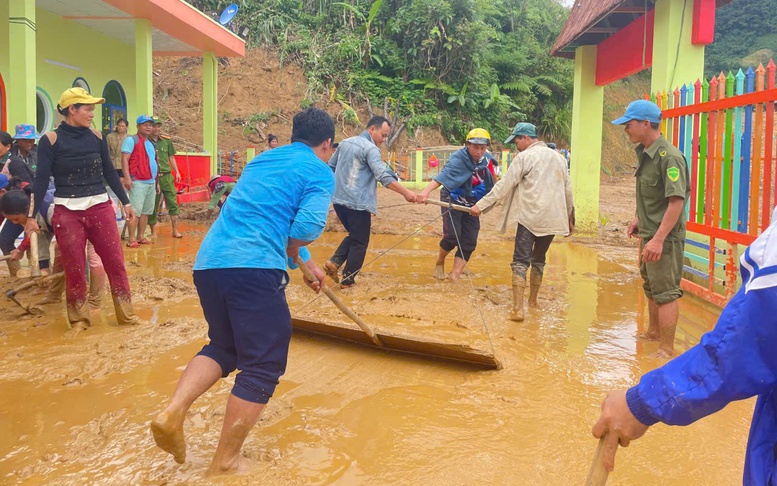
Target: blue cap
x,y
640,110
3,181
144,119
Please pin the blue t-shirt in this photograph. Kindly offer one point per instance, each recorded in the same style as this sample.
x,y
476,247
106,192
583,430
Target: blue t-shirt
x,y
282,193
129,145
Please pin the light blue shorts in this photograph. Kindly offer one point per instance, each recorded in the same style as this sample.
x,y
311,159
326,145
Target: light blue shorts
x,y
142,197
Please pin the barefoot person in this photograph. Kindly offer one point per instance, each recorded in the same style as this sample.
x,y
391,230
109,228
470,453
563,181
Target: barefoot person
x,y
140,170
241,279
538,198
78,159
734,361
358,168
662,192
465,179
15,206
165,156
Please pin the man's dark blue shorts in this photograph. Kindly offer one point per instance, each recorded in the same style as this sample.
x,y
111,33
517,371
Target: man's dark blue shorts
x,y
249,326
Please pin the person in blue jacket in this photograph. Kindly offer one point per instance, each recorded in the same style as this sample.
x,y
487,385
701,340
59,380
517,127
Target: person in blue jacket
x,y
240,275
734,361
465,179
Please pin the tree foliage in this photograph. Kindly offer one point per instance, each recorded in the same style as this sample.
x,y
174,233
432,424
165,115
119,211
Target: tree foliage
x,y
742,28
455,64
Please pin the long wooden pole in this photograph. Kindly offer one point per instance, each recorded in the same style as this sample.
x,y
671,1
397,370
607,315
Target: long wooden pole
x,y
339,303
597,475
444,204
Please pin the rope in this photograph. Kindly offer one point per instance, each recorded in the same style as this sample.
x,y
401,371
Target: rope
x,y
458,242
472,288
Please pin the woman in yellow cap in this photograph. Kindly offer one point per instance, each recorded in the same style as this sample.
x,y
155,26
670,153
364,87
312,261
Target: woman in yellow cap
x,y
465,179
77,157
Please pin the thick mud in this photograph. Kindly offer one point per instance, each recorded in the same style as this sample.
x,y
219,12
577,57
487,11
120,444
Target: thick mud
x,y
76,411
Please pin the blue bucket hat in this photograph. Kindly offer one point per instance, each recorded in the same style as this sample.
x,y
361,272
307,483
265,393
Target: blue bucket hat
x,y
25,132
144,118
640,110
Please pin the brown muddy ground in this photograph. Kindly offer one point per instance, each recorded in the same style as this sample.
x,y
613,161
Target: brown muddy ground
x,y
76,411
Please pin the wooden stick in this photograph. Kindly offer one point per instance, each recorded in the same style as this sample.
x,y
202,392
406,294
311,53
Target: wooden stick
x,y
31,283
443,204
597,475
5,257
34,264
339,303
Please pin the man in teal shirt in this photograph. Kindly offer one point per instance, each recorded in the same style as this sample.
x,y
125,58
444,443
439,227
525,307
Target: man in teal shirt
x,y
279,205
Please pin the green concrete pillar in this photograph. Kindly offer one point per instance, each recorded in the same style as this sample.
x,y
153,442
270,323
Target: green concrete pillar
x,y
22,79
505,162
210,119
672,66
586,144
250,154
144,80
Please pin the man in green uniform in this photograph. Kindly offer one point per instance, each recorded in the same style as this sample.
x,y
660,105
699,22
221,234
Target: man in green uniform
x,y
662,192
165,154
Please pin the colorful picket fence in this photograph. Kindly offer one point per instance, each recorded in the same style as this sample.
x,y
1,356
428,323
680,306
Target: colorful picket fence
x,y
725,127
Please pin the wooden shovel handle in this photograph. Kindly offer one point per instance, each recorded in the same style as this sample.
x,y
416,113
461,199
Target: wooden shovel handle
x,y
34,264
597,475
339,303
443,204
33,283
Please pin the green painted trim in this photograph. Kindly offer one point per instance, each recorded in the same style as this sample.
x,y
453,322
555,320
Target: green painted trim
x,y
52,111
419,167
210,107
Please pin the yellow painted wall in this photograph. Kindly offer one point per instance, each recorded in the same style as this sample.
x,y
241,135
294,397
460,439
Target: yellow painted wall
x,y
4,41
673,67
99,59
586,143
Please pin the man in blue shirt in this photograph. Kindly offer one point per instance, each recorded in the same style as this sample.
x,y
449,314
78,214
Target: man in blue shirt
x,y
139,165
734,361
358,167
278,206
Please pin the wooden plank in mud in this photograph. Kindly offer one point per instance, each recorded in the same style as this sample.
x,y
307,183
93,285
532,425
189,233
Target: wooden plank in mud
x,y
459,353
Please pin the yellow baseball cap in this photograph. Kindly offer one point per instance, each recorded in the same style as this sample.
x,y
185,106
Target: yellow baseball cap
x,y
75,96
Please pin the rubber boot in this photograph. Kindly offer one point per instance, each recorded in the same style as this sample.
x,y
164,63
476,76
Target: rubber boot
x,y
54,293
125,316
14,267
96,286
519,286
534,287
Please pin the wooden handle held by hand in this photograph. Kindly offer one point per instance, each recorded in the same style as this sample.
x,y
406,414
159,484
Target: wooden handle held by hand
x,y
443,204
339,303
597,475
34,264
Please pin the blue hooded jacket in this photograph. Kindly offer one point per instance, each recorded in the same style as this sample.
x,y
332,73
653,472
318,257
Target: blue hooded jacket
x,y
734,361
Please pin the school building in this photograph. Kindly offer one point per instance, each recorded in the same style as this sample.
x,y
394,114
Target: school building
x,y
106,47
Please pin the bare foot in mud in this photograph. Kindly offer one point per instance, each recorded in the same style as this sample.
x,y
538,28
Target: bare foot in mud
x,y
646,336
77,329
439,272
177,234
168,435
662,354
239,466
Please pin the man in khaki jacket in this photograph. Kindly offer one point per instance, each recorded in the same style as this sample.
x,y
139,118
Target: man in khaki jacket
x,y
538,198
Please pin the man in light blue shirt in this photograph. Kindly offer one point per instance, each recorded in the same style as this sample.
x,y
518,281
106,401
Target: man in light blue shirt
x,y
279,205
358,168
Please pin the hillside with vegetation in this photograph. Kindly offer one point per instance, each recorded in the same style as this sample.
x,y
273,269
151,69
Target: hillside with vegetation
x,y
447,64
745,35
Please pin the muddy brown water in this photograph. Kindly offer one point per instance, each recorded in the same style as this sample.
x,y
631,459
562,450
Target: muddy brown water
x,y
76,411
